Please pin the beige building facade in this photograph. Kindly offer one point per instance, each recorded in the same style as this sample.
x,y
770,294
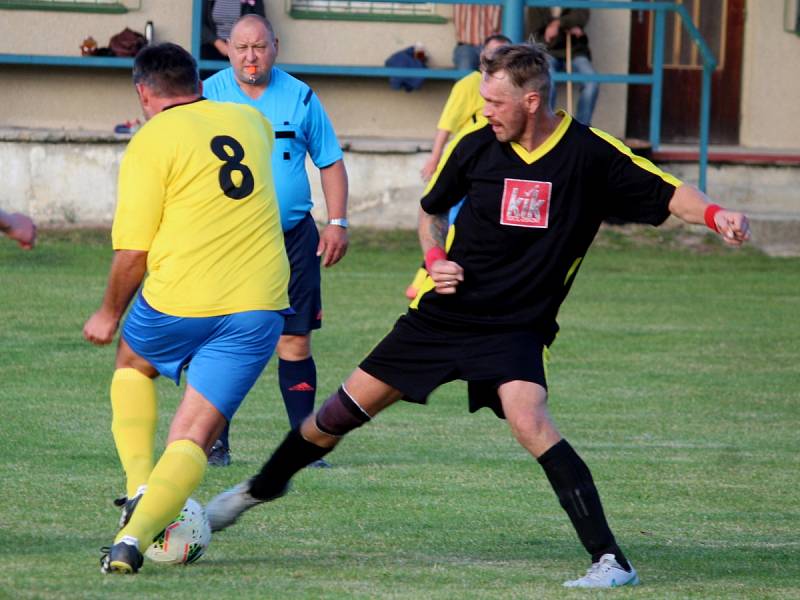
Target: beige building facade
x,y
86,98
56,120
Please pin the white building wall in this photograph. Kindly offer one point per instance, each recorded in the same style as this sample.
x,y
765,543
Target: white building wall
x,y
770,85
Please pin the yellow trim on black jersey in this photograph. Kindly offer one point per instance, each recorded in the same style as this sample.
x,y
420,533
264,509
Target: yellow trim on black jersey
x,y
426,287
637,160
572,269
449,150
451,235
546,362
547,145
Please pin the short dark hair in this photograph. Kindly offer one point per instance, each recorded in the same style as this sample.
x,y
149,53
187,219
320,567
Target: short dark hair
x,y
497,37
526,65
167,69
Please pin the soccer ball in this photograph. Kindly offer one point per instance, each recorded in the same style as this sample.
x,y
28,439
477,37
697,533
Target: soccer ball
x,y
185,539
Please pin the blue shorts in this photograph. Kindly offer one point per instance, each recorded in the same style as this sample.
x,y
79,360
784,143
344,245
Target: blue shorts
x,y
223,356
305,294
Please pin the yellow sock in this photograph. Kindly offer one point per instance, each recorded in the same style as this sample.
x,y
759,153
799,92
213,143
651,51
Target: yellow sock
x,y
133,424
176,475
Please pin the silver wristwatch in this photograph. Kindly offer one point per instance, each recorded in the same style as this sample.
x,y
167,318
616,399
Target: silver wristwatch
x,y
340,222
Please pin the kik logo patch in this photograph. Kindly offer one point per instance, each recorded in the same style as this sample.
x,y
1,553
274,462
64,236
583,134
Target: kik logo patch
x,y
526,203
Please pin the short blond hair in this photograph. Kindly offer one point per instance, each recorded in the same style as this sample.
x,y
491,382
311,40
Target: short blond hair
x,y
526,65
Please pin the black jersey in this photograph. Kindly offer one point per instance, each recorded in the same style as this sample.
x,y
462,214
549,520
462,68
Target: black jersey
x,y
529,218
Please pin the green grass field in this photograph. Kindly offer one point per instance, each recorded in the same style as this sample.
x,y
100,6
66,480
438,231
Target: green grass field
x,y
675,376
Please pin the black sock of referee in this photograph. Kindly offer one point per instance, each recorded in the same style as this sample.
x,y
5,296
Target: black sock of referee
x,y
578,496
293,454
298,382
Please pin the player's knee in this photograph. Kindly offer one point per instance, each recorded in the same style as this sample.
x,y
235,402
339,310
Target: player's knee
x,y
340,414
533,430
294,347
532,426
128,359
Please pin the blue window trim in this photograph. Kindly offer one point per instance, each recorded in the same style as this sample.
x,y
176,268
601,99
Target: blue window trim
x,y
117,62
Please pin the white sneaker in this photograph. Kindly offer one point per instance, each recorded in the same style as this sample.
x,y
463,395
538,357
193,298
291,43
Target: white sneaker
x,y
605,573
224,509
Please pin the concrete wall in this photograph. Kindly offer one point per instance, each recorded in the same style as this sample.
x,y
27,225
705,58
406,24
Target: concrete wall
x,y
67,178
76,98
57,32
62,178
369,107
97,99
770,86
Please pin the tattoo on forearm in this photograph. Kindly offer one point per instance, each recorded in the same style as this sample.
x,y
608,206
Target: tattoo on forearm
x,y
438,229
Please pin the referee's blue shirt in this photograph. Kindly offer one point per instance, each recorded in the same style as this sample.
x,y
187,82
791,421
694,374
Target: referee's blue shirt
x,y
300,125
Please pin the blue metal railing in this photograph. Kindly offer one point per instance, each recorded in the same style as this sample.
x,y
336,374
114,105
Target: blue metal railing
x,y
513,20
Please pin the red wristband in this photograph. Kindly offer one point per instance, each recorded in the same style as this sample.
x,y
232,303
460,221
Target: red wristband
x,y
432,255
708,216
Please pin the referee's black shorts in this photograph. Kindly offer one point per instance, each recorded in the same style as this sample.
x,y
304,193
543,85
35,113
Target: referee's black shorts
x,y
418,356
305,295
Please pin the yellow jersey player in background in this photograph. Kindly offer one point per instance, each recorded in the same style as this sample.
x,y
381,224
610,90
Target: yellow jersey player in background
x,y
462,112
197,214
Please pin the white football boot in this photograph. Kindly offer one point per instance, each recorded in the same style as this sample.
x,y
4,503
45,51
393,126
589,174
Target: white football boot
x,y
224,509
605,573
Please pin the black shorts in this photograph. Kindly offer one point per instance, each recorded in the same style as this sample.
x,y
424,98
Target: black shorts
x,y
305,295
418,356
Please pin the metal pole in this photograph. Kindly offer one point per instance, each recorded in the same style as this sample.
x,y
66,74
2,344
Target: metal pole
x,y
569,72
658,79
705,118
197,27
513,19
709,64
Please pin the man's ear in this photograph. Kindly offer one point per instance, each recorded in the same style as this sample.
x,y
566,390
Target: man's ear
x,y
144,94
533,100
200,86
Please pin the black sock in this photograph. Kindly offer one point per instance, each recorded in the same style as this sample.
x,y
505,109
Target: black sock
x,y
223,437
578,496
298,382
293,454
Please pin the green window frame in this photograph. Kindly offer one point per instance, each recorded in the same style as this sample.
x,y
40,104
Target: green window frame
x,y
91,6
359,10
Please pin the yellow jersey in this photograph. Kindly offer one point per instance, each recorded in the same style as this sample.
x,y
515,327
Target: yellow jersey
x,y
464,106
196,193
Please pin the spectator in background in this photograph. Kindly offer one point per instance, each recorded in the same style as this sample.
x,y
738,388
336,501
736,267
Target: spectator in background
x,y
464,107
463,110
219,17
473,23
552,27
18,227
